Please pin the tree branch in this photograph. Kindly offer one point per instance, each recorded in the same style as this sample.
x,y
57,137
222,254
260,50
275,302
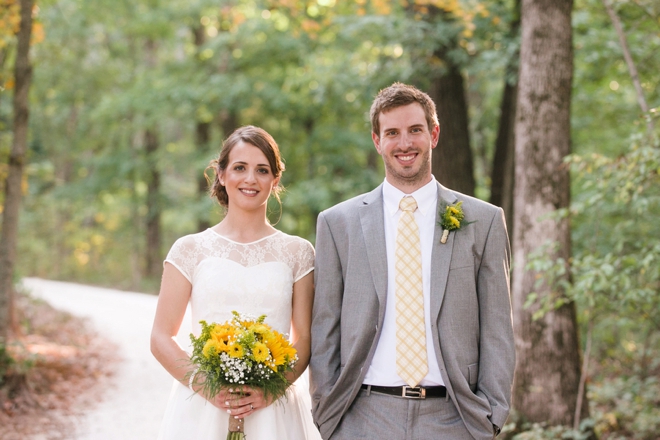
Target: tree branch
x,y
641,100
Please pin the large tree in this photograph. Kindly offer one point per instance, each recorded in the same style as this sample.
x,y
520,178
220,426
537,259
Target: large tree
x,y
548,368
452,163
502,173
13,185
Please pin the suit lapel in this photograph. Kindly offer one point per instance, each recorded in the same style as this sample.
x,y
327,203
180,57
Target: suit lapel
x,y
373,230
440,256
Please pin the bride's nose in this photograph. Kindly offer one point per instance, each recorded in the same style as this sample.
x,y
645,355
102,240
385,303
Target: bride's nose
x,y
251,176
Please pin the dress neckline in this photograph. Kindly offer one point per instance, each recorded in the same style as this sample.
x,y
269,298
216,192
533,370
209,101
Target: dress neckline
x,y
244,244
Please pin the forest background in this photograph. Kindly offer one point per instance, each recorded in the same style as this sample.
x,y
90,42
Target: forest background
x,y
130,100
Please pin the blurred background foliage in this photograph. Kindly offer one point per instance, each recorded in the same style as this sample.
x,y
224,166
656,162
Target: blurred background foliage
x,y
131,100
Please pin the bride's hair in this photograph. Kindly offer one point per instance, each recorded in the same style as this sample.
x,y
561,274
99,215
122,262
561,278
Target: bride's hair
x,y
251,135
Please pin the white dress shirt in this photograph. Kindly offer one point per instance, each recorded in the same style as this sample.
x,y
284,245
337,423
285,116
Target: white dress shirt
x,y
382,370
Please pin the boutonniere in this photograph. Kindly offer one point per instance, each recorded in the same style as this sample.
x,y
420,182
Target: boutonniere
x,y
452,218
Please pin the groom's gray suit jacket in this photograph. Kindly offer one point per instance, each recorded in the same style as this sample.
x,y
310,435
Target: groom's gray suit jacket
x,y
470,308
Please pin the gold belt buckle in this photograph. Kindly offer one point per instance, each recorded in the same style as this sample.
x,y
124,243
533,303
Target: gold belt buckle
x,y
413,392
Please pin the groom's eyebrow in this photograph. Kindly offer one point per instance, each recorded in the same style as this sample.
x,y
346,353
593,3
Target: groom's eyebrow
x,y
404,128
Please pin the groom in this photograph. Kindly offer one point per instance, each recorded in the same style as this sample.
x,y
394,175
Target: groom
x,y
411,332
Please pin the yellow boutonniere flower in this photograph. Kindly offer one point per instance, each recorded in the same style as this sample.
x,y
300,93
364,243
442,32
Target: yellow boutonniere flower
x,y
452,218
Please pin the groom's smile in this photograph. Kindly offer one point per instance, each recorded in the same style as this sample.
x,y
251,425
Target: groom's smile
x,y
407,159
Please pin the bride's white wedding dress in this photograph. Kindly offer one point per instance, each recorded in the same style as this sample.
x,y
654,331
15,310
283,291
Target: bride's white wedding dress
x,y
254,278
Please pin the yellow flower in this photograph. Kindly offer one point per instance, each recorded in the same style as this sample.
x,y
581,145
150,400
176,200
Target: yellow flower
x,y
248,324
260,352
453,210
235,350
260,329
211,347
223,333
276,350
281,350
289,353
222,345
454,221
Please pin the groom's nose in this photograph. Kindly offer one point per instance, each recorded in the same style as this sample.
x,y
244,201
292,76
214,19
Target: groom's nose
x,y
406,139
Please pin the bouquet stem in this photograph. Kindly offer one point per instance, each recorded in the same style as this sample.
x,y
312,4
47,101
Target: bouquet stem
x,y
235,431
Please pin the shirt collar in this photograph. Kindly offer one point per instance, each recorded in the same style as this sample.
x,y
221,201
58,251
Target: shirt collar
x,y
426,197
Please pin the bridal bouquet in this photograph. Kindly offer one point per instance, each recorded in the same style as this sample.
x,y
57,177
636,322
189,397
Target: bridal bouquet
x,y
242,351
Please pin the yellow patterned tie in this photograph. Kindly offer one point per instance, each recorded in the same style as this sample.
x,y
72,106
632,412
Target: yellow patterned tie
x,y
411,362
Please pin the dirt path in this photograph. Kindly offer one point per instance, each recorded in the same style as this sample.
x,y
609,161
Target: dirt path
x,y
133,404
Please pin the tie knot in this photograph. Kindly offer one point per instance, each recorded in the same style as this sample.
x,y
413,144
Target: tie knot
x,y
408,204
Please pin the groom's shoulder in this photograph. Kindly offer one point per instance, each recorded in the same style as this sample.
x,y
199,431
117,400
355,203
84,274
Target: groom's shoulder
x,y
350,206
475,207
475,202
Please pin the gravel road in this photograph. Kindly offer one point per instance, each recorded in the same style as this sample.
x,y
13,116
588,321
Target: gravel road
x,y
134,404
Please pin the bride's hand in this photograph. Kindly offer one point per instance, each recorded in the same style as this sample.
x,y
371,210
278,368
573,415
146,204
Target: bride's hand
x,y
240,401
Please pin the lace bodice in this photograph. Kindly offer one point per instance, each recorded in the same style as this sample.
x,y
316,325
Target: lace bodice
x,y
255,278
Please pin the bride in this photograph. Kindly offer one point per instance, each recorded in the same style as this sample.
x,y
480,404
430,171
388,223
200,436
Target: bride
x,y
241,264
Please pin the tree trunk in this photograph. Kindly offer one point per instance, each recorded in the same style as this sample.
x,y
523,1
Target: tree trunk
x,y
202,139
137,257
503,173
452,159
13,185
228,122
548,368
153,258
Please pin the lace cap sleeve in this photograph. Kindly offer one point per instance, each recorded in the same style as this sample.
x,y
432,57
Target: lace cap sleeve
x,y
182,255
304,259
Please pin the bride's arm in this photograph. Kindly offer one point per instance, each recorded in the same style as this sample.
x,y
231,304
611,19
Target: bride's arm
x,y
301,323
173,298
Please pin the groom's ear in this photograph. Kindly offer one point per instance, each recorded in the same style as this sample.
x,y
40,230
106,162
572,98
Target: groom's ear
x,y
435,136
376,140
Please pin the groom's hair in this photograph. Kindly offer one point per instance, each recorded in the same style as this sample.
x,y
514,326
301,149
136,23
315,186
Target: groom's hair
x,y
398,95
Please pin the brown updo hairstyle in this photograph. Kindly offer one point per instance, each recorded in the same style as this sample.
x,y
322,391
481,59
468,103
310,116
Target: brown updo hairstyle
x,y
254,136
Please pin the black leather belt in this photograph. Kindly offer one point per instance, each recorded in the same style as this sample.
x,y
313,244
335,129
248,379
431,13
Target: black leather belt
x,y
408,392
